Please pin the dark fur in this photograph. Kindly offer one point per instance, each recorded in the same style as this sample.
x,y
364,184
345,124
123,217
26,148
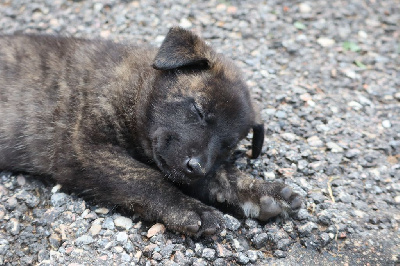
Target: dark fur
x,y
145,129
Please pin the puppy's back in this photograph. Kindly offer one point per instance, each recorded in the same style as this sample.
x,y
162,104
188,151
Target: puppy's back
x,y
46,83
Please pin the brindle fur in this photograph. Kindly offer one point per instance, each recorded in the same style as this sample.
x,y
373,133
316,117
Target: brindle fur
x,y
147,129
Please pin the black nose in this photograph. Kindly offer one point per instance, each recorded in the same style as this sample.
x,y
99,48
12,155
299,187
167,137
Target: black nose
x,y
194,167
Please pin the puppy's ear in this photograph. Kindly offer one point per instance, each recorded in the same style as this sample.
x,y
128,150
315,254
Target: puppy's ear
x,y
181,49
258,140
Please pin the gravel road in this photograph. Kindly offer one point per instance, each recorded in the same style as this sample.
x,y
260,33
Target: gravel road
x,y
326,75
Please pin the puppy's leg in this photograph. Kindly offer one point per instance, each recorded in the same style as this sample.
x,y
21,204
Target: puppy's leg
x,y
247,196
111,174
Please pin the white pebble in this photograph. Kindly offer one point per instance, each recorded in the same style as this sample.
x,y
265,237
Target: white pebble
x,y
386,124
304,8
325,42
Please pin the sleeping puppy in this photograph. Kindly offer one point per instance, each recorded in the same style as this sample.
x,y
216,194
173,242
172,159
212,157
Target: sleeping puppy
x,y
150,130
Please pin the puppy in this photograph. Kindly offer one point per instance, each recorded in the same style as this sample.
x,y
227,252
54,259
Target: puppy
x,y
150,130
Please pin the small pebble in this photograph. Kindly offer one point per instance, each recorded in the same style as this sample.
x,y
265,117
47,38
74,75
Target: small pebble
x,y
123,223
208,253
305,8
122,237
325,42
95,229
315,141
231,222
156,229
58,199
56,188
334,147
21,180
101,210
84,240
289,136
386,124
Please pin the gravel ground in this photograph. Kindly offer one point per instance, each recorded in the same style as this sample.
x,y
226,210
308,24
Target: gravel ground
x,y
327,78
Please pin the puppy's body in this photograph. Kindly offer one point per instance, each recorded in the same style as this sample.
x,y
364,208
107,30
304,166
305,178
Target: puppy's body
x,y
146,129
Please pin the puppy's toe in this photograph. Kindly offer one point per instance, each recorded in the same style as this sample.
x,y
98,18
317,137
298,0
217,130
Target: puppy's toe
x,y
295,203
211,223
286,192
190,224
269,208
192,229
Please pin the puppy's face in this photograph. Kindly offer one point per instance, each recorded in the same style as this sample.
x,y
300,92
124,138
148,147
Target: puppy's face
x,y
200,109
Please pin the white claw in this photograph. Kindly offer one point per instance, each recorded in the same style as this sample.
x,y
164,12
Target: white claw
x,y
251,209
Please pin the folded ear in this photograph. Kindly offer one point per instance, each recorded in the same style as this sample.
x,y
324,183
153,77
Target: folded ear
x,y
182,48
258,140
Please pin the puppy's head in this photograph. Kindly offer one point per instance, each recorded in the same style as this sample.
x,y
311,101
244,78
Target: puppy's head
x,y
200,109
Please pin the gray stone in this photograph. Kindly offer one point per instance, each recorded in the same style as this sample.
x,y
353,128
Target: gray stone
x,y
280,254
199,262
317,166
208,253
55,241
125,257
302,164
315,141
283,244
242,259
306,229
334,147
198,249
293,156
43,255
4,246
167,250
108,223
325,238
30,200
280,114
84,240
231,222
352,153
318,197
157,256
189,253
290,137
325,217
58,199
251,223
13,226
345,197
11,203
122,237
252,255
179,257
260,240
303,214
220,262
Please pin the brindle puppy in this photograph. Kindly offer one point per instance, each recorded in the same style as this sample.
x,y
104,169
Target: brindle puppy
x,y
149,130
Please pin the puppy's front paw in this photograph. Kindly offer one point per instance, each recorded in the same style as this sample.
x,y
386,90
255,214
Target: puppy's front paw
x,y
200,220
265,200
